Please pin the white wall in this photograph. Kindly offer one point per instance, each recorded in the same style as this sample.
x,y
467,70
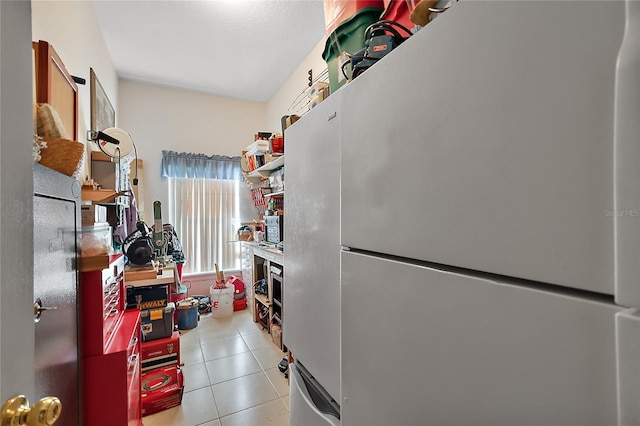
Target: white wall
x,y
161,118
72,29
279,103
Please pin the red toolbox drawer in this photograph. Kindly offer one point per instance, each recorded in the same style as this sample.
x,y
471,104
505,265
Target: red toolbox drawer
x,y
101,304
112,379
162,388
161,352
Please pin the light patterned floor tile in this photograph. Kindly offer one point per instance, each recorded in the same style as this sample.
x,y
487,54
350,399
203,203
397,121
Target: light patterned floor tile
x,y
195,377
197,407
223,347
213,331
268,357
278,380
270,413
191,354
189,337
239,394
258,339
231,367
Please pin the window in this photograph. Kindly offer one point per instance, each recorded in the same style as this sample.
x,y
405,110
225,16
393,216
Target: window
x,y
204,207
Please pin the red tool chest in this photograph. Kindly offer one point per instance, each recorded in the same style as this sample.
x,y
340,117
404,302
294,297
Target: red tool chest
x,y
101,305
162,388
112,380
110,336
161,352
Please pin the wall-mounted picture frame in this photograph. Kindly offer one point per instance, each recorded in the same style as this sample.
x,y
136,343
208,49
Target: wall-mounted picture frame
x,y
103,115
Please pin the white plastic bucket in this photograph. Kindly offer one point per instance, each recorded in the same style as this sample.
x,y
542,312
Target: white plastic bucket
x,y
222,301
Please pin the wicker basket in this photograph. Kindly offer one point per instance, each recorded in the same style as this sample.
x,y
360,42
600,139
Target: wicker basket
x,y
63,155
49,123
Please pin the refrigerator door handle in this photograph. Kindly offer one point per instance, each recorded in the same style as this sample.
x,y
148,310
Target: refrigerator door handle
x,y
626,164
628,366
305,411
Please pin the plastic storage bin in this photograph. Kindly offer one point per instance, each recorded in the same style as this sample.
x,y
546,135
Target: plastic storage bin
x,y
338,11
399,11
147,297
348,38
95,240
157,323
187,313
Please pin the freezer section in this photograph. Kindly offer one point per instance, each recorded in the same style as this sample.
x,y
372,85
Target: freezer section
x,y
627,332
310,405
485,141
422,346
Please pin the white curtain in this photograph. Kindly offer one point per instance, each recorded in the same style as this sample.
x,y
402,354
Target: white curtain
x,y
205,215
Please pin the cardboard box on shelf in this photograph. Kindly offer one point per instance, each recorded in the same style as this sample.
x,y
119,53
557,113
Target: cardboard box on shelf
x,y
93,214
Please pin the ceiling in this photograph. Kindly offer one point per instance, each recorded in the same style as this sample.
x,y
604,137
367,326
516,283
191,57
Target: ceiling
x,y
243,49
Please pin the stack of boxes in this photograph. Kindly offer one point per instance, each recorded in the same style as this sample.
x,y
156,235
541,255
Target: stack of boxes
x,y
162,383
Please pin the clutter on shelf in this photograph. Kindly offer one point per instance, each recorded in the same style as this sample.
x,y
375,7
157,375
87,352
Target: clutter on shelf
x,y
263,171
266,149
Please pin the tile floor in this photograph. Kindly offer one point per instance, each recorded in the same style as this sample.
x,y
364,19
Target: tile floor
x,y
230,375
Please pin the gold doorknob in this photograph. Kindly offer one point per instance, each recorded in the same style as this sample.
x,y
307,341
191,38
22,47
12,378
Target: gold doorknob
x,y
16,411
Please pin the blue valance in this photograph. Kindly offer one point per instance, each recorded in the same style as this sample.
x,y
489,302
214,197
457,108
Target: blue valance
x,y
200,166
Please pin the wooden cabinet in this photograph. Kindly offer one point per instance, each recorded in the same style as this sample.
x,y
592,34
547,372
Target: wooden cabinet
x,y
55,86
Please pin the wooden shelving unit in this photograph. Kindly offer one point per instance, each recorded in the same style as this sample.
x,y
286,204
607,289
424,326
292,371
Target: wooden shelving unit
x,y
268,264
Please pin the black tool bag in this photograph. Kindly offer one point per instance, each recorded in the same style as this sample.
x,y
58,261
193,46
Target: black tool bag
x,y
380,38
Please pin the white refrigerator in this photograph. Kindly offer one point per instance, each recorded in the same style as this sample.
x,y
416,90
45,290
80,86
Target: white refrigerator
x,y
490,221
311,329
